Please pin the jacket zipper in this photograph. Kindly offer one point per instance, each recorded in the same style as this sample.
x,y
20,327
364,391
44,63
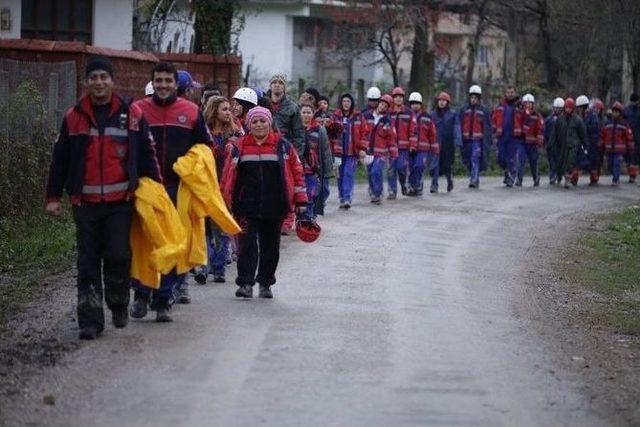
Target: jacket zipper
x,y
164,139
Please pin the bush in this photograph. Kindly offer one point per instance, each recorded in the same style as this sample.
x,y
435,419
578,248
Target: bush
x,y
25,150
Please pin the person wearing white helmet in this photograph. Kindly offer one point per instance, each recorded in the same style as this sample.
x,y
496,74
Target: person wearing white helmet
x,y
528,148
507,125
243,99
589,156
475,126
424,149
148,89
373,98
556,108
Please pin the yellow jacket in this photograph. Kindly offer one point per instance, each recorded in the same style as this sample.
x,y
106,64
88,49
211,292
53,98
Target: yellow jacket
x,y
158,239
199,197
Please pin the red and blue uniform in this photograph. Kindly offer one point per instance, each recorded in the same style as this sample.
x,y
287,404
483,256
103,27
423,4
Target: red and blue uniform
x,y
475,127
404,123
507,121
426,153
384,149
616,142
533,133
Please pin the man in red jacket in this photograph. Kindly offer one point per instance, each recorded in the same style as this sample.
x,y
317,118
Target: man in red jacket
x,y
403,121
103,147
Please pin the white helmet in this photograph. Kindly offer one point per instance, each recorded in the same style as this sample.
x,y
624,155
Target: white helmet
x,y
246,94
415,97
148,89
475,90
558,103
528,98
582,101
373,93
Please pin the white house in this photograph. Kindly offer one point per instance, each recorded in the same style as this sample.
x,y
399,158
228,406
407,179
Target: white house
x,y
103,23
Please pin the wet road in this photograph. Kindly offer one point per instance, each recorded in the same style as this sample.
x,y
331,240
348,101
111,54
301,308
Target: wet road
x,y
406,314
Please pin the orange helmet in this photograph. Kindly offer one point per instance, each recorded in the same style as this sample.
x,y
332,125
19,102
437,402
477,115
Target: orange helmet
x,y
445,96
598,105
569,103
307,230
397,91
388,99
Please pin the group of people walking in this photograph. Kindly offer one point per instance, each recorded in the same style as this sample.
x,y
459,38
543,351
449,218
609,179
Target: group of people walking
x,y
141,166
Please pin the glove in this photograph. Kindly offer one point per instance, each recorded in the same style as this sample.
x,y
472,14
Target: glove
x,y
337,161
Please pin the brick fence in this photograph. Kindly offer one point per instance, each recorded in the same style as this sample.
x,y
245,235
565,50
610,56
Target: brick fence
x,y
132,69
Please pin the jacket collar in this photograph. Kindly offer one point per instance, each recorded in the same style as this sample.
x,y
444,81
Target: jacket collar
x,y
84,106
164,102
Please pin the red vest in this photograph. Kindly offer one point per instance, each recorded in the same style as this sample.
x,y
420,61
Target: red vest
x,y
426,135
616,137
533,128
404,123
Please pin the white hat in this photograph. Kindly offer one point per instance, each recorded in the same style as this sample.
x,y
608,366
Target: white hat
x,y
528,98
475,90
374,93
246,94
415,97
581,101
558,103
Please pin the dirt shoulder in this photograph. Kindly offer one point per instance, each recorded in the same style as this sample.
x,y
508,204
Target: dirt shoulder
x,y
580,320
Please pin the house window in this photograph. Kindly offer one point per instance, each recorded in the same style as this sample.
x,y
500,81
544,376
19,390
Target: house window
x,y
57,20
482,57
304,33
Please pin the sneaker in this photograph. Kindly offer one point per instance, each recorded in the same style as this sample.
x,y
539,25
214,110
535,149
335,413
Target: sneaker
x,y
120,318
200,277
473,184
536,182
162,314
506,177
411,193
519,183
391,196
376,201
245,291
449,186
347,206
138,309
632,180
433,189
265,292
219,278
403,190
183,295
615,183
341,206
89,333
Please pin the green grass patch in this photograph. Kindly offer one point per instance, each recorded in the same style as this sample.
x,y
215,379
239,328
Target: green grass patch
x,y
608,262
32,247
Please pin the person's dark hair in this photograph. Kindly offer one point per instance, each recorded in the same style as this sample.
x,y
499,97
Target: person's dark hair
x,y
324,98
209,90
353,103
165,67
313,92
264,101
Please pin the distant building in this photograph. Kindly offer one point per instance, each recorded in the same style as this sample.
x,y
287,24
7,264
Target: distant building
x,y
168,30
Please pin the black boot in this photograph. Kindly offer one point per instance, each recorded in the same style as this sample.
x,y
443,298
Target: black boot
x,y
245,291
139,307
162,311
89,333
265,292
449,185
183,294
120,317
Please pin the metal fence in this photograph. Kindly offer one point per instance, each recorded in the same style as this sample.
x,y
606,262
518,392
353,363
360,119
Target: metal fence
x,y
56,81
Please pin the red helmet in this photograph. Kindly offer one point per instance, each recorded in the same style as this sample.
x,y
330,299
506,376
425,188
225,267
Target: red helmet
x,y
598,105
397,91
388,99
618,106
569,103
307,230
445,96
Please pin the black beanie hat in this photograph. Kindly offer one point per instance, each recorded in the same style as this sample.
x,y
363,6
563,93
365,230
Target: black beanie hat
x,y
98,63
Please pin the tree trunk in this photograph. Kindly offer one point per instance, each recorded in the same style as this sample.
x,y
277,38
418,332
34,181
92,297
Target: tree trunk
x,y
547,46
471,63
422,62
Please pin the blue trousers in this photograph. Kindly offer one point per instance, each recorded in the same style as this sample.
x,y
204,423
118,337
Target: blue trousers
x,y
419,162
313,183
346,176
528,151
551,157
471,157
398,170
326,190
508,155
217,251
615,165
375,171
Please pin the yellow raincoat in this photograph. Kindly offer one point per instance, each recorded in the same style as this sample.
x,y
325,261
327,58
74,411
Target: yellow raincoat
x,y
199,197
157,238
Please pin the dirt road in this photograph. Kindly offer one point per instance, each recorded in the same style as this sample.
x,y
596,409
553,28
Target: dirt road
x,y
411,313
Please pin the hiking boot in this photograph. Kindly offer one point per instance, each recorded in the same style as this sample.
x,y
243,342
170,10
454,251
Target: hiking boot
x,y
200,276
120,318
506,177
473,184
391,196
519,183
376,201
89,333
449,186
536,182
139,307
265,292
433,189
347,206
403,190
632,180
219,278
245,291
183,295
162,315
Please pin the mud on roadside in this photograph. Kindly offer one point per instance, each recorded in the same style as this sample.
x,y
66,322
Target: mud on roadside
x,y
573,321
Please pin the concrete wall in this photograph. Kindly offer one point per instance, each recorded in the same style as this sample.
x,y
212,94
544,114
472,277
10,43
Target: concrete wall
x,y
15,7
113,24
267,40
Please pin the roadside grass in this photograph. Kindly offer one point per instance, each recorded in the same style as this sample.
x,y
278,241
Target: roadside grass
x,y
607,262
32,247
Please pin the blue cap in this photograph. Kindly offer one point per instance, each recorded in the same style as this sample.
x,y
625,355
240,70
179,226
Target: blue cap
x,y
185,81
